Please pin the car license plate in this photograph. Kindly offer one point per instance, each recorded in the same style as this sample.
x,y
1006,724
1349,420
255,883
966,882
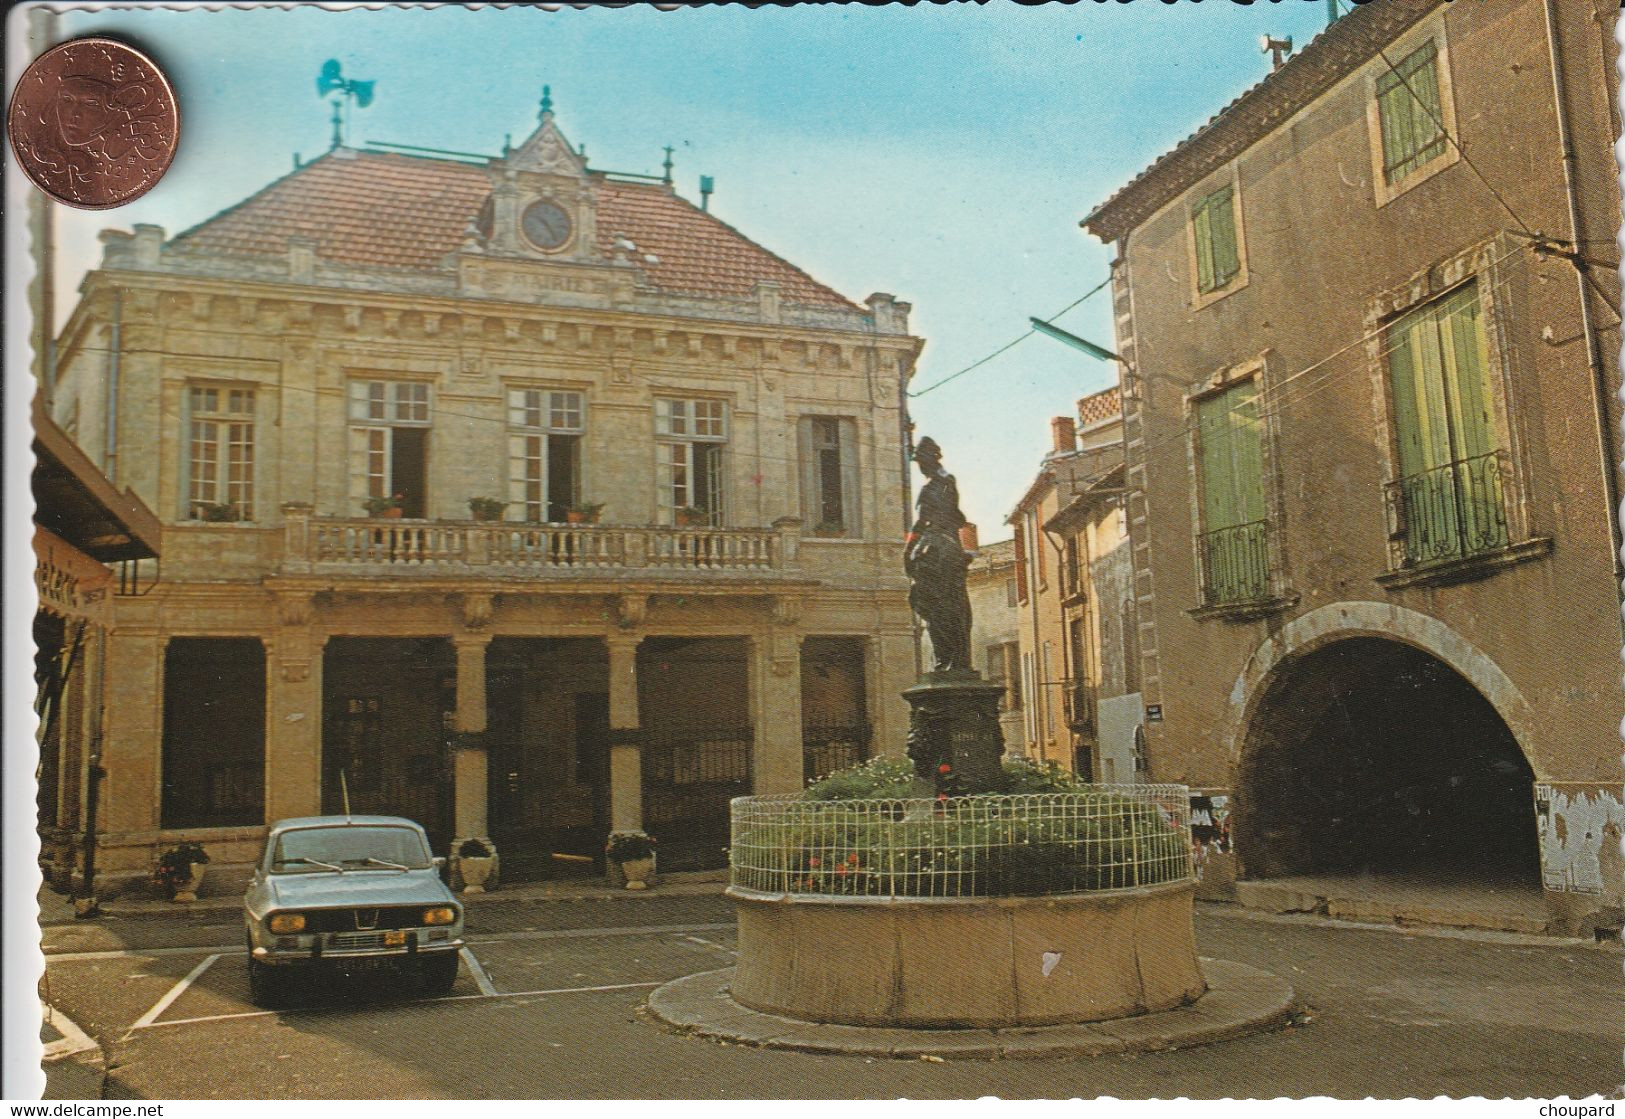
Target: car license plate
x,y
395,938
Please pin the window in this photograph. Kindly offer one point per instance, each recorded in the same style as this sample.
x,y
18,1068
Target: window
x,y
1072,567
691,435
1448,500
1411,114
1021,561
389,443
829,476
545,430
1010,594
220,454
1233,545
1213,224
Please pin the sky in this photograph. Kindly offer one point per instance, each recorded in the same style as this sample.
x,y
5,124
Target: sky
x,y
942,153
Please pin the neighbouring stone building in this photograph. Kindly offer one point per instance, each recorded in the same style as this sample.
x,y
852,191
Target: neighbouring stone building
x,y
1078,667
693,589
994,645
83,527
1368,319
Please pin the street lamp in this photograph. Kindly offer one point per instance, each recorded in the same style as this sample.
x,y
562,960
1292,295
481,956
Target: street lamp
x,y
1072,340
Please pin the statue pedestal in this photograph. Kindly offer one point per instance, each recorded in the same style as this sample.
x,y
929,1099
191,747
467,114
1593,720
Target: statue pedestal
x,y
954,719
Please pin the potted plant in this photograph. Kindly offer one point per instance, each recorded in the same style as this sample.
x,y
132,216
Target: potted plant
x,y
384,506
475,861
215,512
583,512
691,516
486,508
180,871
633,852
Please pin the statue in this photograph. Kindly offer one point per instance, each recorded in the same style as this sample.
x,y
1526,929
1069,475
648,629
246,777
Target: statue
x,y
935,564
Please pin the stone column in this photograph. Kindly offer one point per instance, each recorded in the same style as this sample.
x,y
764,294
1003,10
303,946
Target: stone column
x,y
890,669
468,745
775,677
625,737
293,713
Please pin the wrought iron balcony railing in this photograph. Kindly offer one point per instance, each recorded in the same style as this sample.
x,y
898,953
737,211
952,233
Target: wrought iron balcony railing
x,y
1080,705
1450,512
1235,564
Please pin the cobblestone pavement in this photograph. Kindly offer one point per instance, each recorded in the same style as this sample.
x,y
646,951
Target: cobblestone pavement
x,y
553,1010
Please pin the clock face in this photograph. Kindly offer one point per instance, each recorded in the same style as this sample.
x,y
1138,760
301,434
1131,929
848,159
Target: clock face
x,y
546,225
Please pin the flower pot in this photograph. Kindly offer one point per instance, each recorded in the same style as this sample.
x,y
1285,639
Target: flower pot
x,y
486,516
187,891
577,519
476,872
390,514
637,872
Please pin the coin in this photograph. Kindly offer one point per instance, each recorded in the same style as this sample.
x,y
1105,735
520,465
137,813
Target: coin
x,y
94,123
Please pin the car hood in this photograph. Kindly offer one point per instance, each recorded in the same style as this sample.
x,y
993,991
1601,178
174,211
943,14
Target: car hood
x,y
314,889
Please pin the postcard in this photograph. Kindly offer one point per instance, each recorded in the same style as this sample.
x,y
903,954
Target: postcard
x,y
821,552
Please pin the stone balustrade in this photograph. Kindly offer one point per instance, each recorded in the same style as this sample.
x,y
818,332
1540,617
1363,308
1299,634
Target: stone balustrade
x,y
403,548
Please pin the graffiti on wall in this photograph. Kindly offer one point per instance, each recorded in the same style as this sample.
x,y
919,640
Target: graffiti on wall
x,y
1210,828
1580,830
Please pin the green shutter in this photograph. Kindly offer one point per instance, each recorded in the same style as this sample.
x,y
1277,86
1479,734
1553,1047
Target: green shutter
x,y
1231,466
1226,263
1409,109
1203,222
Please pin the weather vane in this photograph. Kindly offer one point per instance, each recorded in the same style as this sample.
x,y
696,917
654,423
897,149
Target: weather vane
x,y
330,80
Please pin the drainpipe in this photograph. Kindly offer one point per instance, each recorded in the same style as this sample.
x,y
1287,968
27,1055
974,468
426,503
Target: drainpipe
x,y
1599,376
110,447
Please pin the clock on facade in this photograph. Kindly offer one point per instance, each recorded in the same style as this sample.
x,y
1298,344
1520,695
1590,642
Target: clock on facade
x,y
546,224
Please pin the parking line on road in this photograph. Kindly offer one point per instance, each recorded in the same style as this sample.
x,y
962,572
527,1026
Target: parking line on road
x,y
482,980
414,1002
711,944
174,993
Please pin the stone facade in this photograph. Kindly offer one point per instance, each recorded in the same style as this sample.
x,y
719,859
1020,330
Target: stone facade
x,y
1075,620
1410,358
995,628
379,330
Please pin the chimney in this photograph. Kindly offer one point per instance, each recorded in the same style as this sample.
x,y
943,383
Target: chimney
x,y
1064,431
149,242
707,186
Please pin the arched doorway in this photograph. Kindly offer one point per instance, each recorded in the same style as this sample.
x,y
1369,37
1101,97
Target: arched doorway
x,y
1370,756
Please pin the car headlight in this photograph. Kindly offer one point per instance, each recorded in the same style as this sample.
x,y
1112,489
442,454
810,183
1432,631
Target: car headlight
x,y
287,922
440,915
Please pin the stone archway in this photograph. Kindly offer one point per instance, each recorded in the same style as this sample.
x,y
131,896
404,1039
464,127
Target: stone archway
x,y
1370,739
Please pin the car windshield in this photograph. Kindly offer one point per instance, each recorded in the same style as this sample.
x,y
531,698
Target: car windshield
x,y
349,847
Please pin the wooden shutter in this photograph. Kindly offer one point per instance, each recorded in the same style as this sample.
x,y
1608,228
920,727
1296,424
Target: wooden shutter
x,y
807,458
1021,561
1222,217
851,507
1202,221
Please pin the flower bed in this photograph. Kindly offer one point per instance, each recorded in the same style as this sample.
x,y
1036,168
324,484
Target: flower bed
x,y
1021,844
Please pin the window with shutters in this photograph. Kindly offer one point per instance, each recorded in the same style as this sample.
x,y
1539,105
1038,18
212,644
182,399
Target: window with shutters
x,y
1022,575
389,443
1216,242
545,432
1449,497
829,476
1233,538
690,439
219,464
1411,117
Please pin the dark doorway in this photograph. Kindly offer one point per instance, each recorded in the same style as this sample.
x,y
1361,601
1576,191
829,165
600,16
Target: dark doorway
x,y
1369,756
547,711
693,703
835,732
214,733
409,458
386,702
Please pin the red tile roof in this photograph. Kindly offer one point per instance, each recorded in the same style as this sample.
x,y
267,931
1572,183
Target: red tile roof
x,y
381,209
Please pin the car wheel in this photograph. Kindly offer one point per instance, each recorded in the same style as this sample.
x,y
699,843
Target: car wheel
x,y
437,973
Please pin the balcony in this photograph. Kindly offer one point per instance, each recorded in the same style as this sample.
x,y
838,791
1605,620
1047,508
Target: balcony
x,y
1235,564
1451,512
1080,705
397,549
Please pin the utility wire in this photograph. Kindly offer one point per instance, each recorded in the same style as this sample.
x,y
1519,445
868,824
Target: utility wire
x,y
1010,345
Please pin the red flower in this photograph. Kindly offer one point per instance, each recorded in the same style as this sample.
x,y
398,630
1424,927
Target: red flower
x,y
840,870
945,768
942,796
852,858
813,861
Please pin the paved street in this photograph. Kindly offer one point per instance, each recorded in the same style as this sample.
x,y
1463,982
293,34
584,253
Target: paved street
x,y
553,1011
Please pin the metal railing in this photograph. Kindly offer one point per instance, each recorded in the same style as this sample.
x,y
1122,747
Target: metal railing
x,y
828,747
1080,705
1235,564
1451,511
1107,837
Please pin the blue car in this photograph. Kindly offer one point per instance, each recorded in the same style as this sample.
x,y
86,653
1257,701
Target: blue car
x,y
341,892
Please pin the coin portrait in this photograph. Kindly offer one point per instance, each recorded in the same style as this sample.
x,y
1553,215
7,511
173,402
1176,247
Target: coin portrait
x,y
94,123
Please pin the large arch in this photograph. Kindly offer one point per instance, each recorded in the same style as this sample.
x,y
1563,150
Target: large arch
x,y
1366,737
